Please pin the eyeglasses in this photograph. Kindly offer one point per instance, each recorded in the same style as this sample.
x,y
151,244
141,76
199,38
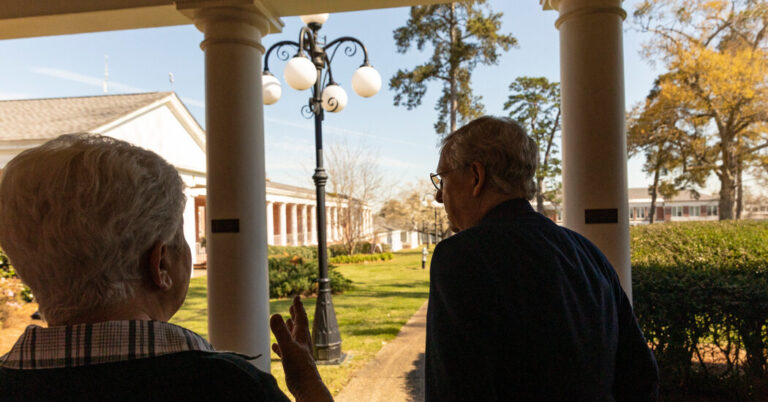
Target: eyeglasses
x,y
437,181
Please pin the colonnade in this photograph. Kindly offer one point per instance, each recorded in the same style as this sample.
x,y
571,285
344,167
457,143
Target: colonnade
x,y
294,222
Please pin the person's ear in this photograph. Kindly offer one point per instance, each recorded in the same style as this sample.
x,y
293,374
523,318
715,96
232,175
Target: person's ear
x,y
478,177
158,273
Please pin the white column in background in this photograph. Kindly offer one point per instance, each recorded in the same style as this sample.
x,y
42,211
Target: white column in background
x,y
294,225
270,223
283,233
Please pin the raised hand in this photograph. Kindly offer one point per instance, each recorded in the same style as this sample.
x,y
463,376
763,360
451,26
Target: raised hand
x,y
294,346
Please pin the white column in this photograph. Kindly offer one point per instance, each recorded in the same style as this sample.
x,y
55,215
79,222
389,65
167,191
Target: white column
x,y
313,226
283,234
189,226
304,225
294,225
238,287
270,223
594,142
336,223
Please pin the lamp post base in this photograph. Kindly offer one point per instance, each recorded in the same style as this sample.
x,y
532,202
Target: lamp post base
x,y
332,362
326,339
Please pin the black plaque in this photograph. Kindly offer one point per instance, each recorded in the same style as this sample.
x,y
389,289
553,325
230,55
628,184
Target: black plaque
x,y
610,215
225,226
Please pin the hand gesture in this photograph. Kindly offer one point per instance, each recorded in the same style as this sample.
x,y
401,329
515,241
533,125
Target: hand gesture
x,y
294,346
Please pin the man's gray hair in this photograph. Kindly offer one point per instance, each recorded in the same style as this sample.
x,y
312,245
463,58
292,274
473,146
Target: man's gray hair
x,y
78,213
502,146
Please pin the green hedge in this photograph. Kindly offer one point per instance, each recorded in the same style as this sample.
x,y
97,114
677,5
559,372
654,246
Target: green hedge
x,y
358,258
6,270
310,252
305,252
290,276
701,297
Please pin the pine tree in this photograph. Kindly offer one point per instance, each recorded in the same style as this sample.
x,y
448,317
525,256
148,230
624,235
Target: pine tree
x,y
535,104
461,34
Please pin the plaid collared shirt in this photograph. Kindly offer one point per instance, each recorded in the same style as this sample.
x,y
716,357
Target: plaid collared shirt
x,y
104,342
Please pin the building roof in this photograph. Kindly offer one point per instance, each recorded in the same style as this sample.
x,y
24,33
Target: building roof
x,y
43,119
641,193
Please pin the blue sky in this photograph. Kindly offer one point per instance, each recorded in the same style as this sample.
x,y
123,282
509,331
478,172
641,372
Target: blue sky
x,y
404,141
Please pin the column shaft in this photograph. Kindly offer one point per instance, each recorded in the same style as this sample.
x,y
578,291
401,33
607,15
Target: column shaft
x,y
238,293
594,141
270,223
313,226
283,232
294,225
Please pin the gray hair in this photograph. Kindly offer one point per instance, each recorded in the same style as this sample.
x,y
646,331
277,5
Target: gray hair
x,y
502,146
78,213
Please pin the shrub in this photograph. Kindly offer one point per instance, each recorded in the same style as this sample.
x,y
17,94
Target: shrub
x,y
701,298
290,276
358,258
7,272
305,252
360,248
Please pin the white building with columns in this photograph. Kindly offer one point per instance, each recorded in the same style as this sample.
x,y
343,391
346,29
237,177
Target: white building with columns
x,y
158,121
593,110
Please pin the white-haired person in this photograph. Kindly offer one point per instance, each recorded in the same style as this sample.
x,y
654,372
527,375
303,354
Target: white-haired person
x,y
519,307
93,226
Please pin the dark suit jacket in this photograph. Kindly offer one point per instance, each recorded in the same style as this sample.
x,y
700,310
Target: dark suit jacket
x,y
523,309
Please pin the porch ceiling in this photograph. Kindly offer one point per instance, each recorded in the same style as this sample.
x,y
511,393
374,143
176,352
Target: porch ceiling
x,y
25,18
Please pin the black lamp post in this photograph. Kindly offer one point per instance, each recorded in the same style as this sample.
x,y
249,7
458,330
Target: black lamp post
x,y
314,72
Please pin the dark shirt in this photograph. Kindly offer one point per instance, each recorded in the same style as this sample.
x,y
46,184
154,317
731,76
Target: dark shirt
x,y
132,360
523,309
184,376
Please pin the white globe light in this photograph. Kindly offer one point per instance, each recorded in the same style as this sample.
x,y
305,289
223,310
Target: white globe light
x,y
271,89
334,98
366,81
316,18
300,73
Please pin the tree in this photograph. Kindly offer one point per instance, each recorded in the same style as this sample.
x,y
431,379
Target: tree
x,y
717,81
653,131
413,208
354,175
535,104
462,34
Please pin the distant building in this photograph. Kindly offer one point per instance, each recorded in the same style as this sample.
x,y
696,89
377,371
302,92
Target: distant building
x,y
160,122
682,207
398,238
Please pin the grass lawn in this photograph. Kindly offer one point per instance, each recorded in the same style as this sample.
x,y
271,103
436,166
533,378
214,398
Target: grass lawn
x,y
385,296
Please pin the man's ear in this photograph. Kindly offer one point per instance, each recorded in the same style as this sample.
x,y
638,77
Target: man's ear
x,y
478,173
157,266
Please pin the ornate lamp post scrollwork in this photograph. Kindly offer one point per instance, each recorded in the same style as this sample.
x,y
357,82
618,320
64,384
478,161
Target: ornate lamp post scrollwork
x,y
310,67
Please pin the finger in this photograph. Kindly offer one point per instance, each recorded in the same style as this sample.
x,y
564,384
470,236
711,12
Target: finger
x,y
276,349
282,335
301,314
302,322
289,324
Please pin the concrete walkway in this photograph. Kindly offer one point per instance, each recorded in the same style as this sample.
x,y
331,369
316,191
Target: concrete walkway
x,y
397,372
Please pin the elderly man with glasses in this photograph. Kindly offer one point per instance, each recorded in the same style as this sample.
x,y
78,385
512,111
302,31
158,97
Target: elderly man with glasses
x,y
519,307
94,226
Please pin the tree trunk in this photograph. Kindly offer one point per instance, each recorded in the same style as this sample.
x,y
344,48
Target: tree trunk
x,y
739,192
539,195
654,191
727,179
454,98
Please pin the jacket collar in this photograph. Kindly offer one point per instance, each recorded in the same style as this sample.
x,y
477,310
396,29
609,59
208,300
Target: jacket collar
x,y
508,210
